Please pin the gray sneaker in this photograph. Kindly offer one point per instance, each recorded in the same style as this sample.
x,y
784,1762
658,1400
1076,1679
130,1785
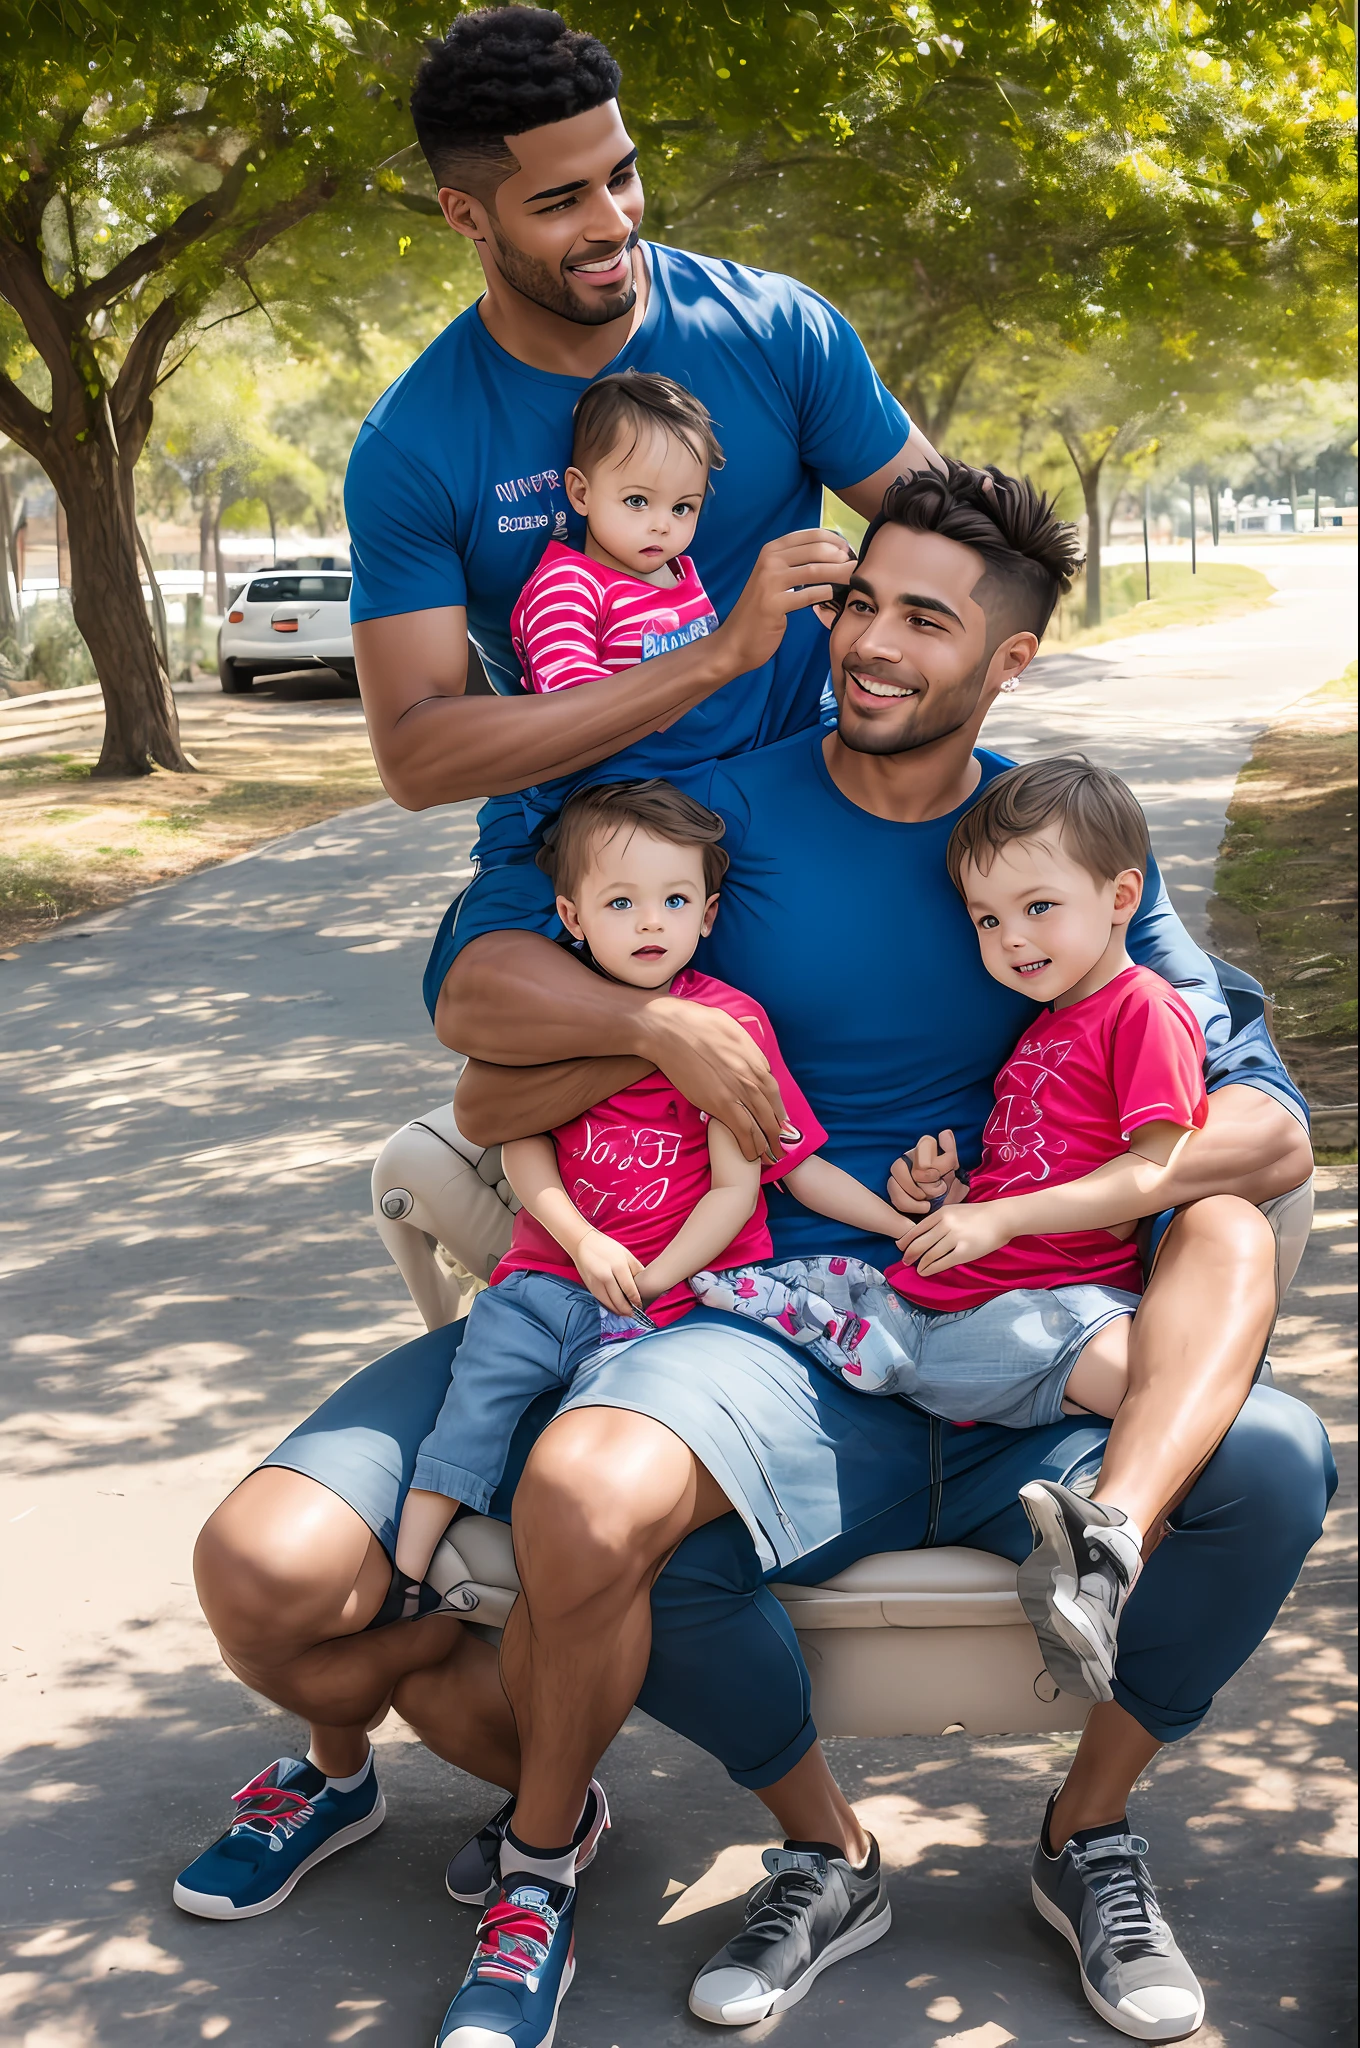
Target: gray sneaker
x,y
811,1910
1074,1584
1097,1892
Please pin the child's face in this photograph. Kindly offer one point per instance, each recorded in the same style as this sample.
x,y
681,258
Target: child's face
x,y
641,906
1044,922
641,504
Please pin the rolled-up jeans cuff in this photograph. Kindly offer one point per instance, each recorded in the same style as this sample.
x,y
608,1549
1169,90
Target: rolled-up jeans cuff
x,y
778,1766
1164,1724
433,1475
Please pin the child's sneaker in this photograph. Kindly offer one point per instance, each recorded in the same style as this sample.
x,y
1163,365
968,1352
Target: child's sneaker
x,y
1073,1586
520,1972
286,1820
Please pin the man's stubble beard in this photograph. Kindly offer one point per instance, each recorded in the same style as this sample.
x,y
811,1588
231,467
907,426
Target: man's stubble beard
x,y
543,286
879,740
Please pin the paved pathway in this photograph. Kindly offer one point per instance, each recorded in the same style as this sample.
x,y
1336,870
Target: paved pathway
x,y
191,1092
1176,712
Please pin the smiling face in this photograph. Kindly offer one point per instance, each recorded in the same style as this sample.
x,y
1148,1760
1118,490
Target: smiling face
x,y
640,503
561,230
914,656
641,906
1045,924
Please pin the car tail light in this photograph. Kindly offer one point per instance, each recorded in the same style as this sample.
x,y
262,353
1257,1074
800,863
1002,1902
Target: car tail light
x,y
235,618
285,625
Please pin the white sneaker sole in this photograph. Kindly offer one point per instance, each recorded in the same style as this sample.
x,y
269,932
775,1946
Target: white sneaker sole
x,y
212,1906
753,2009
1126,2023
492,2037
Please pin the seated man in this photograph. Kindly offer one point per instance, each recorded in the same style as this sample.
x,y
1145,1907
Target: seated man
x,y
837,844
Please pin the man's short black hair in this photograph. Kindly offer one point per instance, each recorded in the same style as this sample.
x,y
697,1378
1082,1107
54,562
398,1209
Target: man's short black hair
x,y
498,72
1031,555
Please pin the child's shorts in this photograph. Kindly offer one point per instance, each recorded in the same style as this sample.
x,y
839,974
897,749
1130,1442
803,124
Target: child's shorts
x,y
529,1333
1007,1361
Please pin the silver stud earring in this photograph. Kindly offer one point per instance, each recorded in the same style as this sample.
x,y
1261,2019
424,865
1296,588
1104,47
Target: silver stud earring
x,y
1011,683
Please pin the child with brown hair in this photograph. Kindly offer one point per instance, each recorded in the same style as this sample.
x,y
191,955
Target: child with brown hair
x,y
1015,1299
623,1204
642,451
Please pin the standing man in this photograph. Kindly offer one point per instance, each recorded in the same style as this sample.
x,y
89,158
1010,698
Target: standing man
x,y
456,481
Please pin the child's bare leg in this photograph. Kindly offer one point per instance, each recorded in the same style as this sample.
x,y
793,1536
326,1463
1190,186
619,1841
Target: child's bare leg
x,y
1099,1380
1216,1274
424,1518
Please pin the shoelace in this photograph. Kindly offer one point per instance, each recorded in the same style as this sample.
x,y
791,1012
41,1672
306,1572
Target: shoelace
x,y
272,1810
1114,1873
513,1942
774,1907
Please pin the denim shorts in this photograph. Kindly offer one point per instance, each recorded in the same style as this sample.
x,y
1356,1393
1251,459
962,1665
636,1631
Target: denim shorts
x,y
1007,1361
525,1337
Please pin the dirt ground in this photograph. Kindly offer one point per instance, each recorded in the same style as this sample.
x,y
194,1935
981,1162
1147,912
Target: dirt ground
x,y
292,753
1286,902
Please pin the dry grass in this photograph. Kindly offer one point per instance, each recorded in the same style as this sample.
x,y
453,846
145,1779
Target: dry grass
x,y
268,765
1286,882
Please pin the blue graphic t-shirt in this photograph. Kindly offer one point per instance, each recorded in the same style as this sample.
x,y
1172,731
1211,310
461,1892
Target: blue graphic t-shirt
x,y
455,486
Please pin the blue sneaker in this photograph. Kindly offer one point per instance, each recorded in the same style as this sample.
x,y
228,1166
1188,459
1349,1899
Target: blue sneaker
x,y
286,1820
520,1971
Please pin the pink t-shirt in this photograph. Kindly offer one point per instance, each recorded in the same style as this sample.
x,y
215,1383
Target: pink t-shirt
x,y
636,1165
1079,1084
577,619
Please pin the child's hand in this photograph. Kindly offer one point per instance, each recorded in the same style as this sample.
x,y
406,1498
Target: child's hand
x,y
922,1180
956,1236
610,1271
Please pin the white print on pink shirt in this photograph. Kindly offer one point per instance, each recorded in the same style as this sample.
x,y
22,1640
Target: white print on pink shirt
x,y
592,1202
624,1146
1014,1135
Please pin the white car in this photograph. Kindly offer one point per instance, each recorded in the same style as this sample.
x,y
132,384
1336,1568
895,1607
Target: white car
x,y
283,619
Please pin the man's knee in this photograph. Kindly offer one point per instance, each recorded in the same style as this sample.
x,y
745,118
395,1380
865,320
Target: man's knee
x,y
1229,1229
1273,1474
278,1563
591,1509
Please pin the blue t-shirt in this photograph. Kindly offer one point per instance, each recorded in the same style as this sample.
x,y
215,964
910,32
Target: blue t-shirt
x,y
848,931
455,486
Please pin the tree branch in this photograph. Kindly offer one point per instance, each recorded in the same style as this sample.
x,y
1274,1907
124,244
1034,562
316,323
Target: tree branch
x,y
21,419
204,217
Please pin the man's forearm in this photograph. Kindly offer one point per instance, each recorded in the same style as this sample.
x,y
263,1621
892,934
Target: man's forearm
x,y
447,748
517,999
494,1104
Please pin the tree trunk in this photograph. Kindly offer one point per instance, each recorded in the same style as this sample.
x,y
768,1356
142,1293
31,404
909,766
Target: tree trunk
x,y
218,569
205,541
1090,490
9,616
273,534
141,726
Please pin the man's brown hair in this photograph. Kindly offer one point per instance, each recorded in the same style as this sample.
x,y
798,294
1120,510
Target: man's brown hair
x,y
609,807
635,402
1097,816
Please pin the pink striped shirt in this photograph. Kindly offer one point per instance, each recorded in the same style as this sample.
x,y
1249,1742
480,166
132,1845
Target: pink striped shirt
x,y
577,619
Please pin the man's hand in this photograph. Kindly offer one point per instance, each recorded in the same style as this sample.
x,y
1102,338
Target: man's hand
x,y
610,1271
956,1236
924,1178
717,1065
791,574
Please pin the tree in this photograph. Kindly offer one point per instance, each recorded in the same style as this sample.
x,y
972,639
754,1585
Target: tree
x,y
148,159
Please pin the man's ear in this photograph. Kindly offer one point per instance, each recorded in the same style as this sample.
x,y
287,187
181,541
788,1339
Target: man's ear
x,y
1128,894
1010,660
710,912
576,486
465,214
566,910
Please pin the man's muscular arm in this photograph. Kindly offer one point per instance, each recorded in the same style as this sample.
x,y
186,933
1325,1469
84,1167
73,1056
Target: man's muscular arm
x,y
516,1001
866,497
435,745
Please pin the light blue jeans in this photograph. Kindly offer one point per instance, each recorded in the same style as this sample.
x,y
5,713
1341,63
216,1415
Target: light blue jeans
x,y
1007,1361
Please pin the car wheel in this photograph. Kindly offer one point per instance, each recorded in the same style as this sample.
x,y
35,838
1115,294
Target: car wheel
x,y
233,678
